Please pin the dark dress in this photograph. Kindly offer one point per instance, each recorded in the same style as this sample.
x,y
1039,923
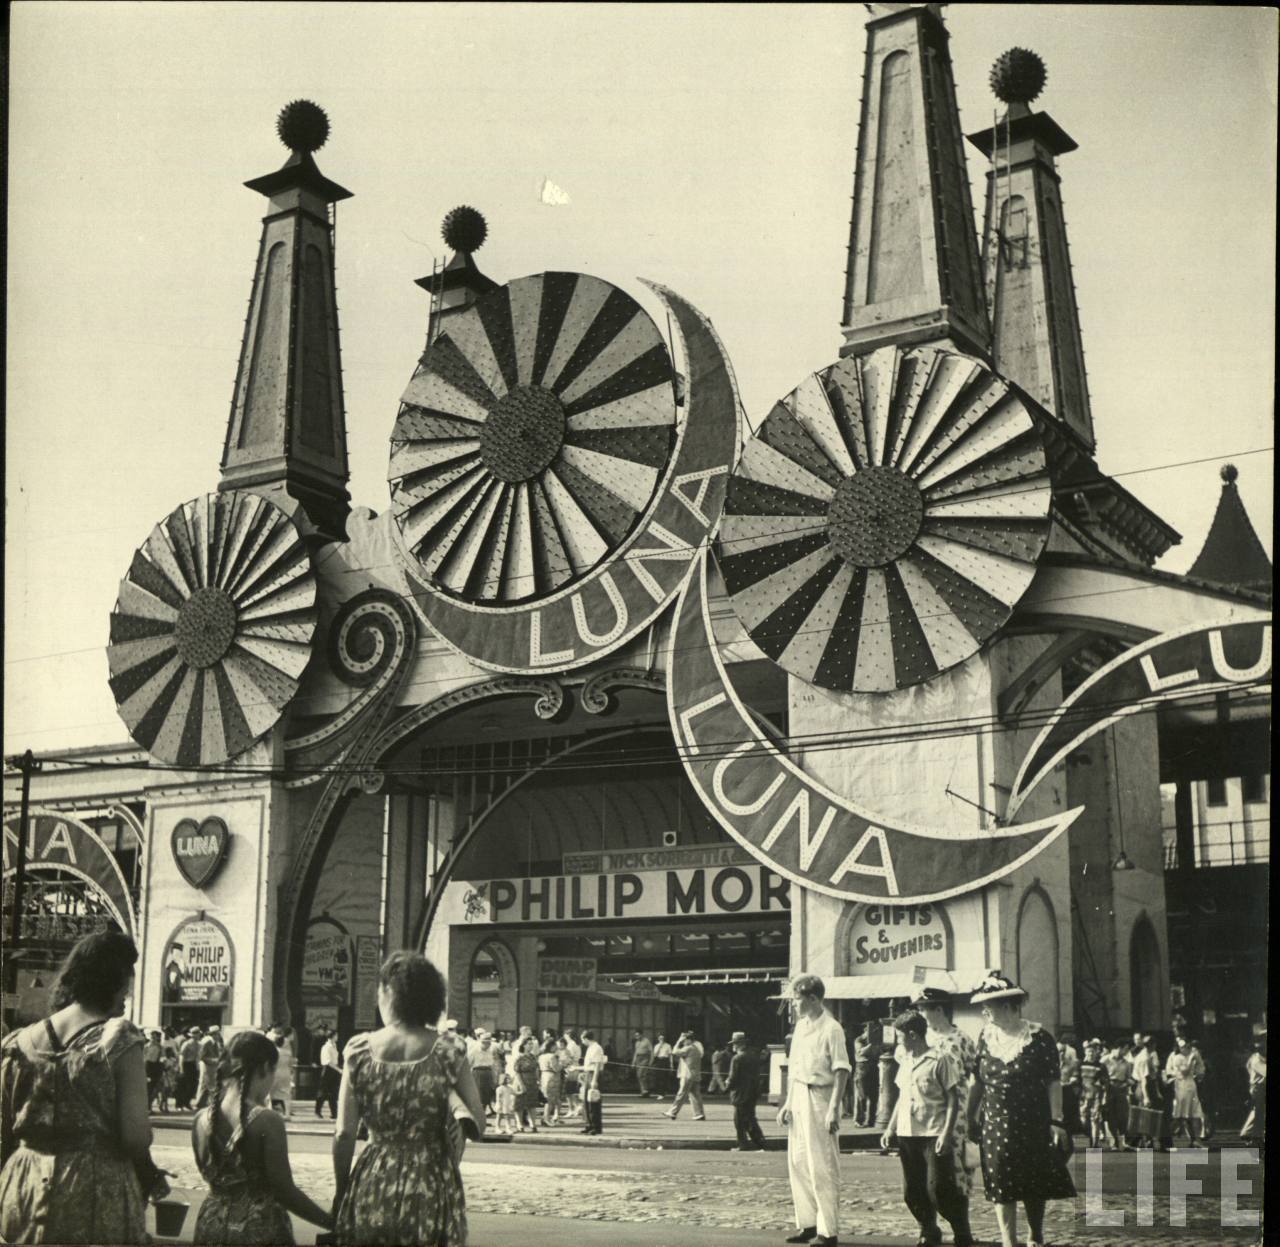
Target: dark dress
x,y
527,1068
240,1208
1019,1160
405,1186
67,1180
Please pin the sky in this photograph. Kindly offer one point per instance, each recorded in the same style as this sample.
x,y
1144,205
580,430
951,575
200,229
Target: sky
x,y
707,147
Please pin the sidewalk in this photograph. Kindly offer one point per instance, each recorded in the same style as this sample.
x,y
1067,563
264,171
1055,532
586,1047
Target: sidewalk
x,y
630,1122
521,1230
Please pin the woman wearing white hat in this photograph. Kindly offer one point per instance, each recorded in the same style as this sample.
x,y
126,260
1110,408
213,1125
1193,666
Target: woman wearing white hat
x,y
1017,1087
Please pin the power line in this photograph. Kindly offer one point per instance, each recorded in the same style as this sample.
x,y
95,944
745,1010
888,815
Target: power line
x,y
721,543
665,754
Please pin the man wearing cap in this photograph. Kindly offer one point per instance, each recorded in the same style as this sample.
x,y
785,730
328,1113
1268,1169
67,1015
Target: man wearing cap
x,y
818,1069
933,1004
744,1089
930,1083
484,1067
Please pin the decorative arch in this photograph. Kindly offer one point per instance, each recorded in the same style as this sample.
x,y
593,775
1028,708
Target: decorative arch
x,y
1037,955
1146,977
493,987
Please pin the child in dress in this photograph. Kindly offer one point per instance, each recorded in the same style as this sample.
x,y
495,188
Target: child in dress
x,y
508,1122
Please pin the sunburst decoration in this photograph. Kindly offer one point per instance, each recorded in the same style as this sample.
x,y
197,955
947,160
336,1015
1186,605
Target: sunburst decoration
x,y
532,437
885,519
212,628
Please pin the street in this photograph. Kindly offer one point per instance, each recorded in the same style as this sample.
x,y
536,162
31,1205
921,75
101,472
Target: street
x,y
651,1196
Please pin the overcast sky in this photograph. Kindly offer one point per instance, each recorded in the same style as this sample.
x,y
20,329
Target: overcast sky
x,y
706,147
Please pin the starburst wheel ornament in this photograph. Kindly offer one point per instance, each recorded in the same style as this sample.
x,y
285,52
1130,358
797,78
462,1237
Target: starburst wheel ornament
x,y
212,628
885,519
532,438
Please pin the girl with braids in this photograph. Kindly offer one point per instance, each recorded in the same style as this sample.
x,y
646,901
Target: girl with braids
x,y
243,1154
406,1186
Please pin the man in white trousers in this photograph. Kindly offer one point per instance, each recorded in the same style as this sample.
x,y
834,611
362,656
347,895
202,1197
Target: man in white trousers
x,y
817,1070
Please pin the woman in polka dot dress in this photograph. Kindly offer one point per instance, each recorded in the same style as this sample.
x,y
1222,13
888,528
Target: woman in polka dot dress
x,y
1017,1096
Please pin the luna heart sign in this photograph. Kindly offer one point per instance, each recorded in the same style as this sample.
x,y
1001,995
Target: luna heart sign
x,y
1189,662
199,849
624,592
798,827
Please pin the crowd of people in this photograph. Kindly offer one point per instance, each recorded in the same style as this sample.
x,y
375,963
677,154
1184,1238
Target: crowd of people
x,y
78,1086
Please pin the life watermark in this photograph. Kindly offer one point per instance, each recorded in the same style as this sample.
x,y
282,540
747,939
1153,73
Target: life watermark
x,y
1135,1204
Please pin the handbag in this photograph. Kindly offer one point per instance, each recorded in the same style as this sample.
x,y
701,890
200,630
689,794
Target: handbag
x,y
1148,1122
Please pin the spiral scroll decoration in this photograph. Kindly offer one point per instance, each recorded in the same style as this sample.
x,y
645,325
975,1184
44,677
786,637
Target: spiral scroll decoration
x,y
885,519
532,438
212,628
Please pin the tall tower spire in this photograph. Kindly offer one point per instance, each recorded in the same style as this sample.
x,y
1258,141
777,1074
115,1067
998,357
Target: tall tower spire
x,y
287,437
913,273
1027,267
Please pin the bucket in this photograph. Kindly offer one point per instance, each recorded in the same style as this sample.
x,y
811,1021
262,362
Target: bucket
x,y
170,1214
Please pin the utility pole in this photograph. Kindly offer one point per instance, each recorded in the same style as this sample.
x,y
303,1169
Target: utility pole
x,y
28,764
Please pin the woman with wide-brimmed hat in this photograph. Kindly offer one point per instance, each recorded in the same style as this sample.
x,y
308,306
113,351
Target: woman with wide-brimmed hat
x,y
1017,1097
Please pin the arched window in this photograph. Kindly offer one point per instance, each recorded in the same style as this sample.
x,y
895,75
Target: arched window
x,y
1038,957
1146,982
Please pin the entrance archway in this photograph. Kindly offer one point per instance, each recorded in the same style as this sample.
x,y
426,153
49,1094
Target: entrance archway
x,y
1145,978
1037,970
494,988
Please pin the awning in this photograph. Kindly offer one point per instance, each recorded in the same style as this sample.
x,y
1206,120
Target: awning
x,y
898,986
713,977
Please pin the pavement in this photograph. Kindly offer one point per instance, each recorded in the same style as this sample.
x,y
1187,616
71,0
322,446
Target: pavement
x,y
632,1122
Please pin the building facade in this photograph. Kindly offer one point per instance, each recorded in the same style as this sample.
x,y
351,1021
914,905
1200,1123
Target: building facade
x,y
490,722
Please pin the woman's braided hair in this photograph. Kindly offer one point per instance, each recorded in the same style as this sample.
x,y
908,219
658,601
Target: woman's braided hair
x,y
247,1054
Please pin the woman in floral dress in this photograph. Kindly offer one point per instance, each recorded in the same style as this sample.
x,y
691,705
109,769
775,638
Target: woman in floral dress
x,y
1016,1088
242,1152
406,1187
74,1092
943,1034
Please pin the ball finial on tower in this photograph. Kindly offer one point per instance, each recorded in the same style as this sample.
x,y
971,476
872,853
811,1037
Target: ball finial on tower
x,y
1229,472
464,229
1018,76
303,126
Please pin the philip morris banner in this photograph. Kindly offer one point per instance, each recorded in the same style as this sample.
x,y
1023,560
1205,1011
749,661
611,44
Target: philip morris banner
x,y
800,828
1175,665
752,889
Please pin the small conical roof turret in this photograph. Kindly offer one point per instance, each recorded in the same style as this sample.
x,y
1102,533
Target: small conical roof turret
x,y
1232,553
456,286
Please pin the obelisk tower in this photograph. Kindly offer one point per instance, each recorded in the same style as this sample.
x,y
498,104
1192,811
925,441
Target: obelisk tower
x,y
913,273
287,438
1027,266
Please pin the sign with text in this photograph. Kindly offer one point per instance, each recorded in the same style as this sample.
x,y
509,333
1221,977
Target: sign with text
x,y
566,974
889,939
326,963
199,849
55,840
611,860
686,893
1175,665
368,963
199,967
802,829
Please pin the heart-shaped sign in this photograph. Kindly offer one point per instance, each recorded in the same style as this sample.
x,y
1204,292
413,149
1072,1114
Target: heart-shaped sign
x,y
200,849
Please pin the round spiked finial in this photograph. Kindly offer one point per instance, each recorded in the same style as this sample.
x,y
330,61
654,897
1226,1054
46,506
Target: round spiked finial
x,y
1018,76
464,229
303,126
1229,472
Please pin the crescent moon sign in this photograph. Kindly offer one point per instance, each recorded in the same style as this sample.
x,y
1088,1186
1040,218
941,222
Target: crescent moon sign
x,y
624,593
798,827
1186,662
